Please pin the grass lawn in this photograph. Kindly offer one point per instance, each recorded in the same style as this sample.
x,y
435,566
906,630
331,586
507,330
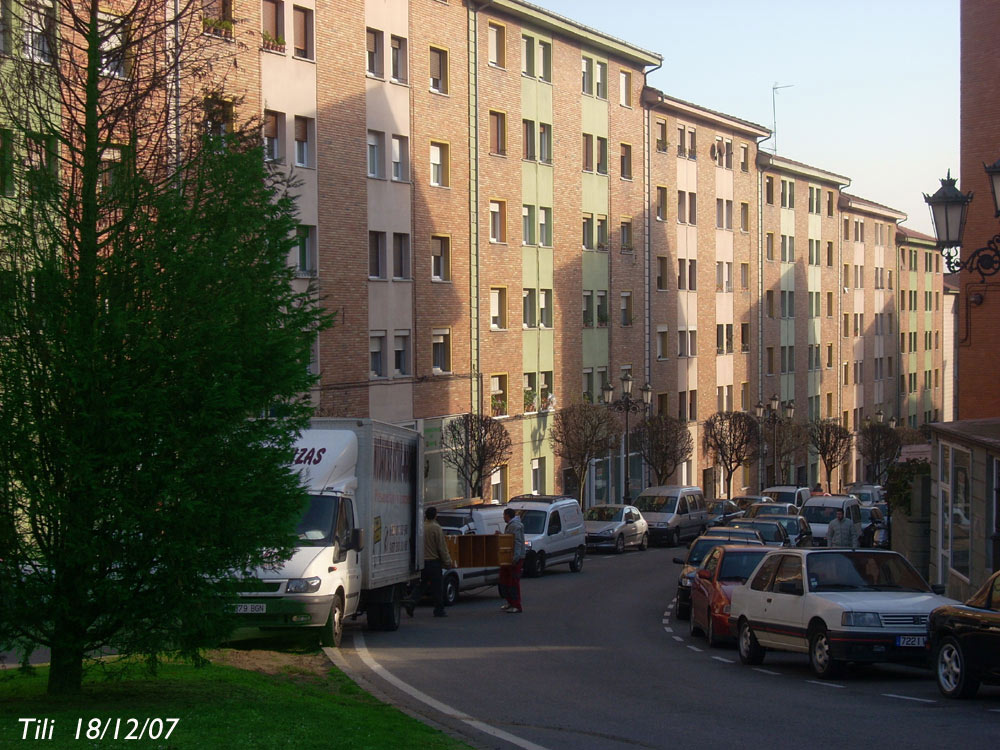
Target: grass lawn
x,y
243,700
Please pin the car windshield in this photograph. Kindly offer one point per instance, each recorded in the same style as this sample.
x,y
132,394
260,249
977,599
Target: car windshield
x,y
791,525
656,503
862,571
315,529
819,513
771,509
604,513
717,508
701,548
533,520
731,532
780,497
768,531
866,514
737,566
452,523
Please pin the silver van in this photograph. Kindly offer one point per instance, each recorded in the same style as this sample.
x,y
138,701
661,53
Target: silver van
x,y
553,532
673,512
819,510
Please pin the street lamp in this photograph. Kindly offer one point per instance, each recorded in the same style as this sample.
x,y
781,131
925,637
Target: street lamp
x,y
949,210
627,405
771,417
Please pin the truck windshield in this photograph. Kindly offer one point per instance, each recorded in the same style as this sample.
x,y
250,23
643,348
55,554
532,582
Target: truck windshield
x,y
316,527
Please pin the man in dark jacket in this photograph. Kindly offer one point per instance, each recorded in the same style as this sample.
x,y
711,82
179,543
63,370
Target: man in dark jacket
x,y
436,559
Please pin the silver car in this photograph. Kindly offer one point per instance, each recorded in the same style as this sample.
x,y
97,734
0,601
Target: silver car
x,y
615,527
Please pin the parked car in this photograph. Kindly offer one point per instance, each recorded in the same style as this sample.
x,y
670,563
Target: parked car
x,y
697,552
819,510
722,570
798,529
771,509
553,532
721,511
736,535
745,501
867,494
874,532
673,512
615,527
772,532
836,606
787,493
965,641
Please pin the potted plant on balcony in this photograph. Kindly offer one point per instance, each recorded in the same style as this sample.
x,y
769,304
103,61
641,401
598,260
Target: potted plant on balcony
x,y
498,404
273,43
217,26
530,400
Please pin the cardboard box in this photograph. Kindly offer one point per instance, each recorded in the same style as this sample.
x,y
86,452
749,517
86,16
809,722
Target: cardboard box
x,y
480,550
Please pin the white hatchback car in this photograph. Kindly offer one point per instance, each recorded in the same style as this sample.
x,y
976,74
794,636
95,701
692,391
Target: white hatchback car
x,y
835,605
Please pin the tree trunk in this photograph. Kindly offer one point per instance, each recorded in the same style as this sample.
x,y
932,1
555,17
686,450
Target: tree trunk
x,y
65,670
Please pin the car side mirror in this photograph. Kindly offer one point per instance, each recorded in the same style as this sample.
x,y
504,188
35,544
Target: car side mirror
x,y
357,541
939,589
678,561
705,574
629,520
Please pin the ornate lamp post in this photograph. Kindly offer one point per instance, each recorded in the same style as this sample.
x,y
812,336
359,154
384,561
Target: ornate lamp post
x,y
626,405
949,210
772,417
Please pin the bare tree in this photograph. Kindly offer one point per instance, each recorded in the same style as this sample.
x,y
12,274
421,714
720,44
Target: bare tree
x,y
732,439
879,444
664,443
832,442
793,442
476,445
581,433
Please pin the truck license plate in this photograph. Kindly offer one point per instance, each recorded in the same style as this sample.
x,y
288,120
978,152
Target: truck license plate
x,y
251,609
911,640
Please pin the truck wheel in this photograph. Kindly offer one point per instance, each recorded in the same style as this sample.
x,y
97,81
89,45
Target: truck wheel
x,y
450,590
332,633
374,615
391,614
577,564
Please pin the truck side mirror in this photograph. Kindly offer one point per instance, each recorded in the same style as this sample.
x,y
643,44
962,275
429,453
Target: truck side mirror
x,y
357,541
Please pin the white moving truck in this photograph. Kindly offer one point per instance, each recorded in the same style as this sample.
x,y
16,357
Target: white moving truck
x,y
360,535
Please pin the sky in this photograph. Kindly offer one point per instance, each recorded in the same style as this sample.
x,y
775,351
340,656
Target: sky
x,y
873,84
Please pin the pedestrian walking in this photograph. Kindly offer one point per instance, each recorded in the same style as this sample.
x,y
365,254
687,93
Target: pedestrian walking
x,y
840,532
436,559
510,575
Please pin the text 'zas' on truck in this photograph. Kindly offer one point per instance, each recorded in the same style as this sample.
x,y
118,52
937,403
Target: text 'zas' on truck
x,y
360,537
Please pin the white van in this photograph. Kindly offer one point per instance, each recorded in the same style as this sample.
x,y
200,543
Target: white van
x,y
470,519
673,512
553,532
819,510
787,493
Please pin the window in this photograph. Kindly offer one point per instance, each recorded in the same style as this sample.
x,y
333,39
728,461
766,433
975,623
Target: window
x,y
397,59
498,395
829,254
787,249
602,80
682,273
114,35
681,207
626,161
498,221
527,56
497,45
662,342
769,190
692,275
588,152
693,406
5,27
274,126
588,231
588,309
545,227
661,273
400,255
661,204
440,258
545,55
302,27
770,360
744,158
744,276
39,33
375,53
829,304
544,143
400,158
588,385
661,136
744,337
401,353
744,217
440,165
376,153
527,225
376,354
528,140
305,251
692,208
602,155
545,308
788,193
538,476
498,308
625,88
111,166
376,255
587,68
218,116
626,234
545,390
498,133
439,70
304,129
602,308
769,303
769,246
626,308
441,350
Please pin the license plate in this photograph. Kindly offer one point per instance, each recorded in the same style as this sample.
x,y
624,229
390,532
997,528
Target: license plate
x,y
251,609
911,640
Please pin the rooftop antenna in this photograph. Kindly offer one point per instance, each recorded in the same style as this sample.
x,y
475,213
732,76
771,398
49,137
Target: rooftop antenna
x,y
774,112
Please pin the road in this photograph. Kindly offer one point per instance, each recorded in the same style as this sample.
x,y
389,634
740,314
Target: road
x,y
597,661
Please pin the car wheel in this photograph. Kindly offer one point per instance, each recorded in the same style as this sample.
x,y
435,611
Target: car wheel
x,y
540,563
450,590
693,628
644,543
674,538
683,611
332,633
751,652
951,667
710,636
577,564
823,664
530,569
619,544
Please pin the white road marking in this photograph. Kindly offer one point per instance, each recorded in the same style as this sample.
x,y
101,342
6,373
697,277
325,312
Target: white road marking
x,y
765,671
825,684
908,698
366,657
695,648
669,630
724,659
994,710
678,639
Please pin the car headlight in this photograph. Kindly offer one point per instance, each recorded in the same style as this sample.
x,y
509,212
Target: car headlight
x,y
685,581
303,585
659,524
527,543
861,619
606,532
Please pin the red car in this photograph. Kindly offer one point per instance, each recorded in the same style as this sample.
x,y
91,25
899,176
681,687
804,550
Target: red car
x,y
723,569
